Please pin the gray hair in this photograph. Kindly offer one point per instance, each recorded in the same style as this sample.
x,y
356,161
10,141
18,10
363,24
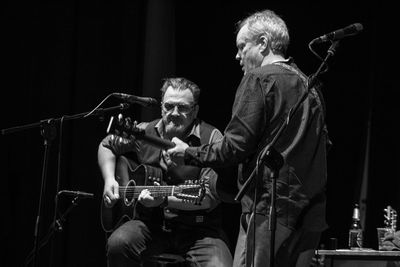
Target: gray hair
x,y
267,23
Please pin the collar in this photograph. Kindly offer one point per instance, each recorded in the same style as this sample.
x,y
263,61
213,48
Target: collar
x,y
288,60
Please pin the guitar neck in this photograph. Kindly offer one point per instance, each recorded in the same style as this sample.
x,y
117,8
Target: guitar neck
x,y
155,191
119,125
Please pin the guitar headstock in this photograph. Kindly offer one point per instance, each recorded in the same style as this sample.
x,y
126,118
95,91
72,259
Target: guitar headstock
x,y
191,191
123,127
130,130
390,218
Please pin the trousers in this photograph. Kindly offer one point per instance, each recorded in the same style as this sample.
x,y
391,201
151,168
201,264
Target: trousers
x,y
135,241
293,248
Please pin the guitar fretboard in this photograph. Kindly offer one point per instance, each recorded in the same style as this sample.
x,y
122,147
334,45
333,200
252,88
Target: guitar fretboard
x,y
155,191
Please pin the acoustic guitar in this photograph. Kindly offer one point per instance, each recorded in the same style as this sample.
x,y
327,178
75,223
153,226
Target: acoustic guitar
x,y
132,179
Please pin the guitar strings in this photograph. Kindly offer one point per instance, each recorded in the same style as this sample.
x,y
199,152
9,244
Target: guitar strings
x,y
157,188
161,190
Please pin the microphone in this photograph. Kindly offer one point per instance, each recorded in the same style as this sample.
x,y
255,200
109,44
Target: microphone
x,y
78,194
144,101
339,34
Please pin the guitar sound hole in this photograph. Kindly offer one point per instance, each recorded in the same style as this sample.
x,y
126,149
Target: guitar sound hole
x,y
129,193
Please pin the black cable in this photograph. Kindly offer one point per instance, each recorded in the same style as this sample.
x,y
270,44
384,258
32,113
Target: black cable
x,y
326,67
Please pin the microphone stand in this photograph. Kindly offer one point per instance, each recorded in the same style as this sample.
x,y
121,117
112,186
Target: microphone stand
x,y
49,132
274,160
56,226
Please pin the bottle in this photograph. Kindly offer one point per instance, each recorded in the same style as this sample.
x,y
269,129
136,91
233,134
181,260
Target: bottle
x,y
355,232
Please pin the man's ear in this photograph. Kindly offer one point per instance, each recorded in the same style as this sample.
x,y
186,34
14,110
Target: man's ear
x,y
263,41
196,110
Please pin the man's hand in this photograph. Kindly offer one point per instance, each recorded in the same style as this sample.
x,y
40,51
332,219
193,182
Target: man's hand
x,y
178,151
147,200
110,193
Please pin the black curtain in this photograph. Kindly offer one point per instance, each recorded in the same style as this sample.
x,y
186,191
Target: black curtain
x,y
64,57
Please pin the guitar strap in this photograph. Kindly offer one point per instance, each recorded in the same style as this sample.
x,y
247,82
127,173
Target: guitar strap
x,y
315,91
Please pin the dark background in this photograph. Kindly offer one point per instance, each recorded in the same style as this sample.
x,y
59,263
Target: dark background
x,y
64,57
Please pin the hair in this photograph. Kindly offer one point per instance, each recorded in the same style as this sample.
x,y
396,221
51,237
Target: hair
x,y
267,23
181,84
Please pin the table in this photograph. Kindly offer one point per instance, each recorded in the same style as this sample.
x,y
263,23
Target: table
x,y
357,258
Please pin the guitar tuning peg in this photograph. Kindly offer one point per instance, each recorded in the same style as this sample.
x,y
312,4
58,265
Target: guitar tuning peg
x,y
124,135
128,123
120,118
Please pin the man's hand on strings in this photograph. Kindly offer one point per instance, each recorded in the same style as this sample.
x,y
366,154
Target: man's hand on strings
x,y
147,200
110,193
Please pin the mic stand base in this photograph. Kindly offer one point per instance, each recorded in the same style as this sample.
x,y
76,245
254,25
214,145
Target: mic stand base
x,y
56,226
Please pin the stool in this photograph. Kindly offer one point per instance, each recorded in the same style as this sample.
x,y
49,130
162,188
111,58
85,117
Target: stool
x,y
165,260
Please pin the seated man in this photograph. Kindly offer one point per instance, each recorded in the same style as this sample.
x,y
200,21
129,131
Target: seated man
x,y
169,224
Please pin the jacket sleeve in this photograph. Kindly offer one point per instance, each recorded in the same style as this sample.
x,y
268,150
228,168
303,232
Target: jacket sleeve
x,y
242,133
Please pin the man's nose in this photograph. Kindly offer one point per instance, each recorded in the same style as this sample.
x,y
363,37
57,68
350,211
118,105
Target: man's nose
x,y
237,57
175,111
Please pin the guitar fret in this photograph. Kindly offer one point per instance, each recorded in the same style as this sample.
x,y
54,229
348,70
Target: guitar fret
x,y
156,191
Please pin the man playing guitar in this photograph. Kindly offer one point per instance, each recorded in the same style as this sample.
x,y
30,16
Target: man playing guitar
x,y
167,221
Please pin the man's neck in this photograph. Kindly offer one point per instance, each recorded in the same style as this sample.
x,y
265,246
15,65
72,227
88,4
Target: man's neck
x,y
272,58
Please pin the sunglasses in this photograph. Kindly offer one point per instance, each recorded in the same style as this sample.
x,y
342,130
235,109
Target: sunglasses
x,y
182,108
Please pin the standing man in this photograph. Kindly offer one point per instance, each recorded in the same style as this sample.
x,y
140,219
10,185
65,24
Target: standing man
x,y
168,224
270,88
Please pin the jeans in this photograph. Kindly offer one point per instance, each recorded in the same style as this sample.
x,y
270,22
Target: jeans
x,y
134,241
293,248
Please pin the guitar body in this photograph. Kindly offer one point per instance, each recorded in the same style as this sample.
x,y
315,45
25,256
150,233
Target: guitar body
x,y
133,178
127,173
